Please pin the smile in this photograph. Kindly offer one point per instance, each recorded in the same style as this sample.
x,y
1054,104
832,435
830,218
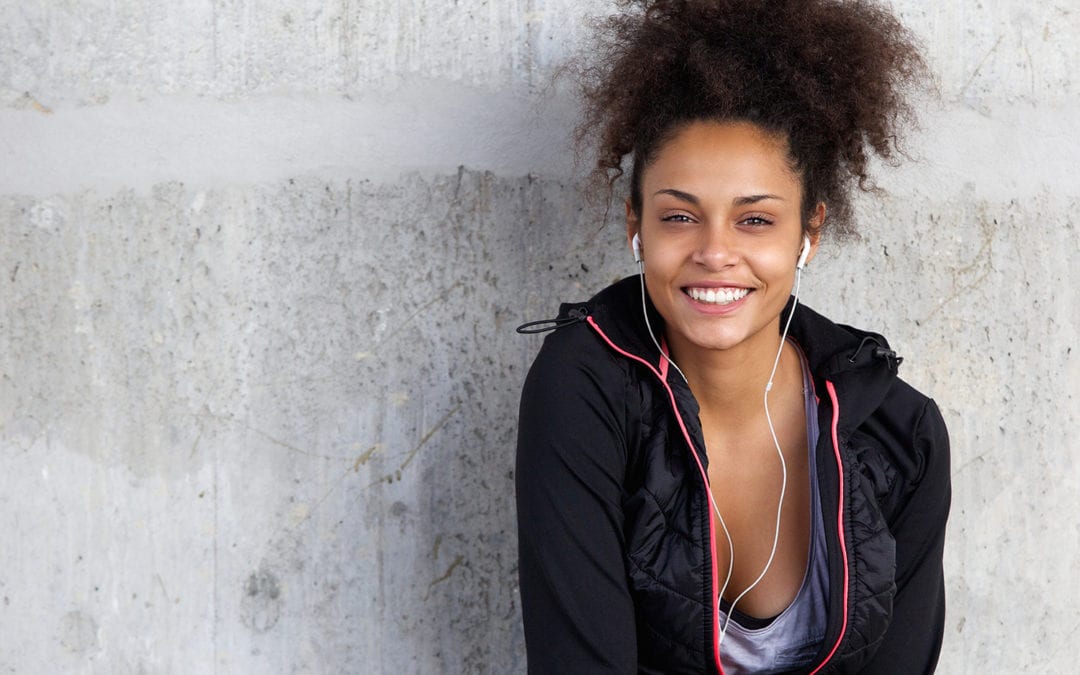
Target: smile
x,y
717,296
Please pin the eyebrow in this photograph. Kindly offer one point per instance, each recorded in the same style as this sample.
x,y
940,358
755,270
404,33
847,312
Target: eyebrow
x,y
738,201
754,199
679,194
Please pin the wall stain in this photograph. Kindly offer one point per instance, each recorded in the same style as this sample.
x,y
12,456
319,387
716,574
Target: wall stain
x,y
441,297
390,478
261,603
78,632
982,62
958,287
445,575
229,419
161,583
27,101
365,457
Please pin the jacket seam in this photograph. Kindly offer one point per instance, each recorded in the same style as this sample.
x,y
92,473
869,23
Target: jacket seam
x,y
667,523
658,582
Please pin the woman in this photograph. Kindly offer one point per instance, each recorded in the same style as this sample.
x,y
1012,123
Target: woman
x,y
712,478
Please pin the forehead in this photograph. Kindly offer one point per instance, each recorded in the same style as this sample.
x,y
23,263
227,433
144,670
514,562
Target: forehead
x,y
708,156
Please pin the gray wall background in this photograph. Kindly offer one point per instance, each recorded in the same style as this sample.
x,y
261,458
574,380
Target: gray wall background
x,y
260,264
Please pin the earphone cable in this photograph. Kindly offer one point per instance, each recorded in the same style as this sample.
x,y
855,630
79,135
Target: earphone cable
x,y
776,443
708,489
783,467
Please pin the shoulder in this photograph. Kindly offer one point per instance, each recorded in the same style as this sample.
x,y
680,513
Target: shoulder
x,y
580,354
574,356
904,442
892,426
579,414
921,439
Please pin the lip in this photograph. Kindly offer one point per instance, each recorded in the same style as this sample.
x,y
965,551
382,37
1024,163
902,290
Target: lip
x,y
715,310
714,284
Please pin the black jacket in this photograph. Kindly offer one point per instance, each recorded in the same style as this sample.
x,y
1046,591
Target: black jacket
x,y
615,530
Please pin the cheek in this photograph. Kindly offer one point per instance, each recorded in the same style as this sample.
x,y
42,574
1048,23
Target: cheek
x,y
659,256
779,258
780,261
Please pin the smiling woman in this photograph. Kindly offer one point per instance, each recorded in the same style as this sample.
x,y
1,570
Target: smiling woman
x,y
717,194
712,478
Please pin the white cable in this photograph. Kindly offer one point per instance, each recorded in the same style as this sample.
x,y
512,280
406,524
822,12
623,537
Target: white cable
x,y
783,468
645,313
776,442
708,490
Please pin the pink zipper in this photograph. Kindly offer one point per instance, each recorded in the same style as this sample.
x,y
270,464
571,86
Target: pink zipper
x,y
705,480
701,469
839,519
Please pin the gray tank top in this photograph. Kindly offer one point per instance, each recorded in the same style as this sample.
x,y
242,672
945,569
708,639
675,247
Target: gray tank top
x,y
790,640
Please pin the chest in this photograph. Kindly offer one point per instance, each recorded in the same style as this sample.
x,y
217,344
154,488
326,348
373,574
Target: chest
x,y
761,489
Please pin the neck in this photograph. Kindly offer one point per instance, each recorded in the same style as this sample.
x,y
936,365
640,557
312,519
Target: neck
x,y
729,385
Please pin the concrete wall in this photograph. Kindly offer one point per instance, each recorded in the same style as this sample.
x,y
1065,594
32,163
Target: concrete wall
x,y
260,262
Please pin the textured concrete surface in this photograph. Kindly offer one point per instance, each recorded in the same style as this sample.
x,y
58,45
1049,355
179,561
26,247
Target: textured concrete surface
x,y
258,378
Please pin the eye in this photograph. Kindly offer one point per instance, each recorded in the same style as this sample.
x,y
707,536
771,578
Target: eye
x,y
677,218
756,221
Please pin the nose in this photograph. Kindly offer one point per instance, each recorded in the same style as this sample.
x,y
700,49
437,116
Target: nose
x,y
717,248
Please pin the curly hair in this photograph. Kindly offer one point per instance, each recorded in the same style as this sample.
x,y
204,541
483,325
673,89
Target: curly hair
x,y
831,77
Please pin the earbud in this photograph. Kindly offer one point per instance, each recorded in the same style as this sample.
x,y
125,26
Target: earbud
x,y
803,254
636,244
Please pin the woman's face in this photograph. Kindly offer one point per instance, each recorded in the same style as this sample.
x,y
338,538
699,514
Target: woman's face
x,y
720,235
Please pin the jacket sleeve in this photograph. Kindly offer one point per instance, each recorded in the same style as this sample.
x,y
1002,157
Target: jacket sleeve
x,y
571,461
913,641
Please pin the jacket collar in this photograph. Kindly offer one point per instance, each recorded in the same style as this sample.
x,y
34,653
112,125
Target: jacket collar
x,y
860,364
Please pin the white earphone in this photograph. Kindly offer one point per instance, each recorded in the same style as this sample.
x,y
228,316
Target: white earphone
x,y
803,254
636,244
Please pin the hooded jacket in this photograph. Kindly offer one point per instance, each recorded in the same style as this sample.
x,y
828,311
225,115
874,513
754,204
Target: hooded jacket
x,y
616,533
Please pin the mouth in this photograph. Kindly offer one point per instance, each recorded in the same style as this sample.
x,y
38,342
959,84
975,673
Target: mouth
x,y
716,296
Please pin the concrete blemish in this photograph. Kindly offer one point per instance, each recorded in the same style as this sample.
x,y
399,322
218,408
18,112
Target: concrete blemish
x,y
427,437
161,585
445,575
366,456
261,602
980,264
27,101
78,632
982,62
441,297
299,513
47,215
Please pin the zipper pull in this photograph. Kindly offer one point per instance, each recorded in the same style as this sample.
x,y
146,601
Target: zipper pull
x,y
889,356
575,315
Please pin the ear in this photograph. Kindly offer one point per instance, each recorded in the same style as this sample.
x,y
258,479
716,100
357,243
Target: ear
x,y
633,224
816,222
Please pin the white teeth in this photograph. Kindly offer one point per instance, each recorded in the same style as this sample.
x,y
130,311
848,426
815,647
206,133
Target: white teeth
x,y
717,296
